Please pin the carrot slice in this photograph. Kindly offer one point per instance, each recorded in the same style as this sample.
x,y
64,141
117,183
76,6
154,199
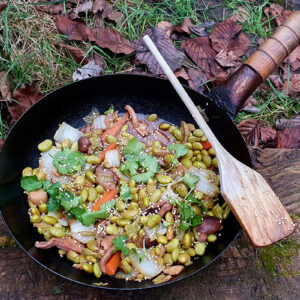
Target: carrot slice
x,y
115,128
107,196
206,145
113,263
111,146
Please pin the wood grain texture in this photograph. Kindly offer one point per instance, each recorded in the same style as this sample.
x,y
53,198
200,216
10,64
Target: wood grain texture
x,y
234,276
274,50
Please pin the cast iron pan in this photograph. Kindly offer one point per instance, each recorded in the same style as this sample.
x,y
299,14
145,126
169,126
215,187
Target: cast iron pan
x,y
70,104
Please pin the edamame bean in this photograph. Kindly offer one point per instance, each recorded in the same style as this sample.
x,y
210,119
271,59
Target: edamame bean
x,y
206,160
66,144
183,258
123,222
164,179
162,239
90,176
41,175
197,210
200,248
92,194
214,162
150,186
112,229
178,134
198,132
73,256
92,245
45,145
124,128
218,211
84,194
152,117
164,126
49,220
34,211
120,205
132,183
125,266
197,146
40,230
153,221
87,267
211,238
96,270
175,253
186,162
181,190
79,181
111,139
130,246
186,241
91,259
146,201
93,159
100,189
143,220
168,259
114,219
211,151
203,138
130,214
172,245
191,252
155,196
43,208
27,172
57,232
35,219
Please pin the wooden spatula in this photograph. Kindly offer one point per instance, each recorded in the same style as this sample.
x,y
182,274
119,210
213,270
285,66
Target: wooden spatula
x,y
251,199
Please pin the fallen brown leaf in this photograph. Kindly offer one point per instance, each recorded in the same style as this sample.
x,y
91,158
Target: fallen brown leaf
x,y
5,90
268,136
292,87
173,56
87,71
53,8
84,7
294,59
76,30
222,77
98,60
228,36
289,138
276,81
78,54
202,54
112,40
116,16
242,15
250,129
249,107
167,27
182,73
25,95
250,101
284,123
277,11
3,5
228,59
197,80
99,6
185,26
201,30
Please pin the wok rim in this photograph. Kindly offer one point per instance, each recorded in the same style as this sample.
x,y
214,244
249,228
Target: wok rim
x,y
14,127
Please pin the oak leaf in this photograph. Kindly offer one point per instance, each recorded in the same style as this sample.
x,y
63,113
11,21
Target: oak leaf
x,y
250,129
202,54
185,26
201,30
87,71
294,59
112,40
228,36
99,6
5,90
228,59
53,8
167,27
278,12
78,54
165,46
268,136
24,96
289,138
182,73
84,7
197,79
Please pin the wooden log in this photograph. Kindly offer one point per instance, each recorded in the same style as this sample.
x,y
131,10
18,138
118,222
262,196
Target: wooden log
x,y
234,276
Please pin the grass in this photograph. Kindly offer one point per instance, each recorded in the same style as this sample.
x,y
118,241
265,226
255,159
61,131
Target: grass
x,y
31,44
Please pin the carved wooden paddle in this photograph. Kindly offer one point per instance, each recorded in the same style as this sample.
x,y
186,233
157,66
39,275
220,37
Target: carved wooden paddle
x,y
251,199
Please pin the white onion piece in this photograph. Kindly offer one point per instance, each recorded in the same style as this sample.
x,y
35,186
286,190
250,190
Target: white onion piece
x,y
155,231
112,159
46,165
148,267
208,182
76,229
65,131
99,122
161,230
58,216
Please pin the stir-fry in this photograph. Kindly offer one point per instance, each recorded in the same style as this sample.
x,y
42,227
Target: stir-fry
x,y
129,195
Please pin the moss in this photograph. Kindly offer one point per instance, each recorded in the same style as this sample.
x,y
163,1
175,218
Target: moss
x,y
278,258
7,241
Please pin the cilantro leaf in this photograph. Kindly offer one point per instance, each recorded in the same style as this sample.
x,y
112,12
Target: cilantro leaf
x,y
178,149
125,193
188,218
53,204
110,110
46,184
68,162
130,166
133,148
31,183
190,180
119,243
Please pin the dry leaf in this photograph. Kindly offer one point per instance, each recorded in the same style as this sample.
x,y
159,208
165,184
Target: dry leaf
x,y
228,59
52,8
116,16
185,26
283,17
276,11
250,129
284,123
202,54
112,40
268,136
276,81
3,5
1,143
25,95
98,60
228,36
292,87
83,7
99,6
87,71
289,138
4,86
242,15
294,59
250,101
167,27
249,107
78,54
201,30
76,30
165,46
182,73
197,80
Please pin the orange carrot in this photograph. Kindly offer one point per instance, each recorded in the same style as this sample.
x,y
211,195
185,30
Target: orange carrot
x,y
109,147
113,263
115,128
107,196
206,145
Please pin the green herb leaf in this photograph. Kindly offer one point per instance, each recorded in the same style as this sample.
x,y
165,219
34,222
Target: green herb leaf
x,y
130,167
119,243
178,149
31,183
68,162
133,148
110,110
125,193
53,204
188,218
190,180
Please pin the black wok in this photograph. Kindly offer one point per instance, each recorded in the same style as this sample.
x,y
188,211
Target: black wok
x,y
70,104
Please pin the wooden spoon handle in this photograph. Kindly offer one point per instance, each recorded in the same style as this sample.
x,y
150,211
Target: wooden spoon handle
x,y
277,47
